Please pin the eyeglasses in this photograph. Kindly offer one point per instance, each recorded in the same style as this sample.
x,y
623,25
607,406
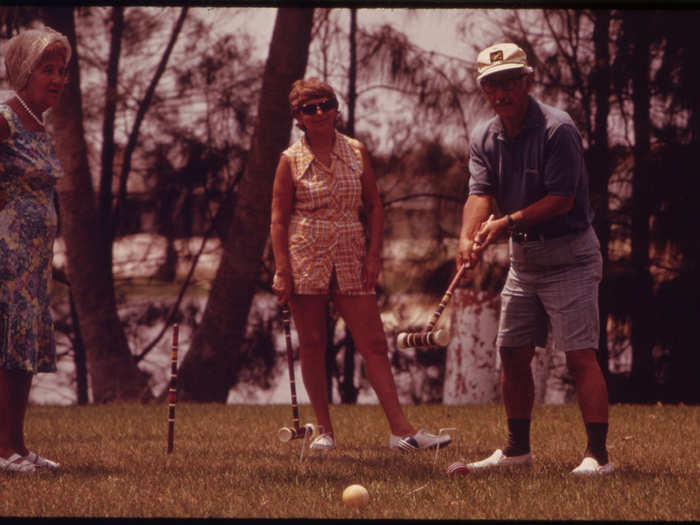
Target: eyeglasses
x,y
312,109
490,85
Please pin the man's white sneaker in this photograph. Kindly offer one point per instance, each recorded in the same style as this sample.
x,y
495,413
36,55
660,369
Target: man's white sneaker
x,y
322,443
590,466
499,459
421,440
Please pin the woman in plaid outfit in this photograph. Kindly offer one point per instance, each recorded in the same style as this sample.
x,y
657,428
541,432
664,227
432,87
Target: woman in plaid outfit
x,y
321,253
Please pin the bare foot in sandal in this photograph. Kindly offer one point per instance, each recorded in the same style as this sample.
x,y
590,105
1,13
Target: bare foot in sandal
x,y
16,463
41,462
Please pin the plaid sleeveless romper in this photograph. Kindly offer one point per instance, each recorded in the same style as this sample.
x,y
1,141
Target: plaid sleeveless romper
x,y
326,237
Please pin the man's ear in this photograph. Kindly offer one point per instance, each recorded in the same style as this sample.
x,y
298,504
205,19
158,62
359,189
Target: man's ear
x,y
530,80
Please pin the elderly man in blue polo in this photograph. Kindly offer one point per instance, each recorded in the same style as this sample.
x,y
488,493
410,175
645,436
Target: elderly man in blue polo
x,y
526,167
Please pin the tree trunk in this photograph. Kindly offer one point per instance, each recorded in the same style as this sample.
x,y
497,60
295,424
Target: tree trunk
x,y
104,205
113,374
211,365
348,391
642,375
352,72
601,168
81,373
132,142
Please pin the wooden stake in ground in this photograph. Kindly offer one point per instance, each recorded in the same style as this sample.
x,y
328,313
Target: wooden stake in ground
x,y
172,390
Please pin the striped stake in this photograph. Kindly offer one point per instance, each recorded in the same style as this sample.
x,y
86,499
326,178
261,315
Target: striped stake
x,y
172,390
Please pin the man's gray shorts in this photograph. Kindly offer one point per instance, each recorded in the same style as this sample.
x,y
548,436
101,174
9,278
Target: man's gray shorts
x,y
556,280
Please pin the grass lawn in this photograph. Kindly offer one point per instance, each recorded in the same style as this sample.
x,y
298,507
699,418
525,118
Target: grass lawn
x,y
228,462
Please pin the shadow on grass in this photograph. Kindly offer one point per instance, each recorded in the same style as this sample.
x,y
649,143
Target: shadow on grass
x,y
92,471
337,466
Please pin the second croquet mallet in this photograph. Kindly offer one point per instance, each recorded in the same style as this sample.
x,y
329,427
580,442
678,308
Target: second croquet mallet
x,y
445,299
172,390
427,337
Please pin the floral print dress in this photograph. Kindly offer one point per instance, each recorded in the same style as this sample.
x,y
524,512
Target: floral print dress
x,y
28,221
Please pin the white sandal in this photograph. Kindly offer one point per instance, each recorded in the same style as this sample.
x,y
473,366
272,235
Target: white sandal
x,y
16,463
41,462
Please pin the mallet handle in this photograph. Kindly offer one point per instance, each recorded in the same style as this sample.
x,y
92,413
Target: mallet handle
x,y
286,321
445,299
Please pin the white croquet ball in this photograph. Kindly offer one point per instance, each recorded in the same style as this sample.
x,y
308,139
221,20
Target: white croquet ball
x,y
355,496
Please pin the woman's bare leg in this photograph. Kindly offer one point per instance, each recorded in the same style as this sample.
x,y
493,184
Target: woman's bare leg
x,y
309,313
14,398
362,317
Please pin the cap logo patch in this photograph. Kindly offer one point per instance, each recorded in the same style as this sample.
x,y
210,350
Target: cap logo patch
x,y
496,56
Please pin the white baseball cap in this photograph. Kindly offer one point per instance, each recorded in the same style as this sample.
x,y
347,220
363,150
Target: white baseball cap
x,y
500,57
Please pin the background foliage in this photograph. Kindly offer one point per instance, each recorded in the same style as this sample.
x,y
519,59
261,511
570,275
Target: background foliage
x,y
166,107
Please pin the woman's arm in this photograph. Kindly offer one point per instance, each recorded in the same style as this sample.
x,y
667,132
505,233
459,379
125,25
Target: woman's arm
x,y
282,204
375,220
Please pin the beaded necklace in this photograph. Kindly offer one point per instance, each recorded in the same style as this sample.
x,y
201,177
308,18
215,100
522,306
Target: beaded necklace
x,y
31,113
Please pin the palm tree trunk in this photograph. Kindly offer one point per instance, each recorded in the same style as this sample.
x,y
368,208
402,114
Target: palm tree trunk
x,y
641,335
113,374
601,168
212,364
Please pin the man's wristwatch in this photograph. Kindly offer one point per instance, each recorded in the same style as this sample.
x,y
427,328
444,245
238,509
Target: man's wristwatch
x,y
511,222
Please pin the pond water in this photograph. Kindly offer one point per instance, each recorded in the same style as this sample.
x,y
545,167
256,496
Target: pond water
x,y
60,388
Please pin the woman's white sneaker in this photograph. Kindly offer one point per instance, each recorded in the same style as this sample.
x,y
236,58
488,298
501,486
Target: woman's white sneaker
x,y
590,467
499,459
322,443
421,440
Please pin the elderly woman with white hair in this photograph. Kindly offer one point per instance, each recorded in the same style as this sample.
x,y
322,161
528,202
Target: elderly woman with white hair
x,y
35,64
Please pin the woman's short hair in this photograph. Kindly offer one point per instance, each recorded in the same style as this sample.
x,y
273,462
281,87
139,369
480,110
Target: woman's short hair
x,y
306,89
25,51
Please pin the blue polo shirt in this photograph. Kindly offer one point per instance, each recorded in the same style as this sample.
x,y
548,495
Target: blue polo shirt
x,y
546,158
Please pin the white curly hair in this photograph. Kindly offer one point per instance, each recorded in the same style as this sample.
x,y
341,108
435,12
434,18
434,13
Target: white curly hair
x,y
24,52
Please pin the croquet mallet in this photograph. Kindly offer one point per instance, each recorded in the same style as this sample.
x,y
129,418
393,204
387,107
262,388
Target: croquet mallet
x,y
296,431
427,337
439,337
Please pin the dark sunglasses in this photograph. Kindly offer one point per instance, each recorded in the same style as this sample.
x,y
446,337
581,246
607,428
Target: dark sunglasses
x,y
506,84
312,109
